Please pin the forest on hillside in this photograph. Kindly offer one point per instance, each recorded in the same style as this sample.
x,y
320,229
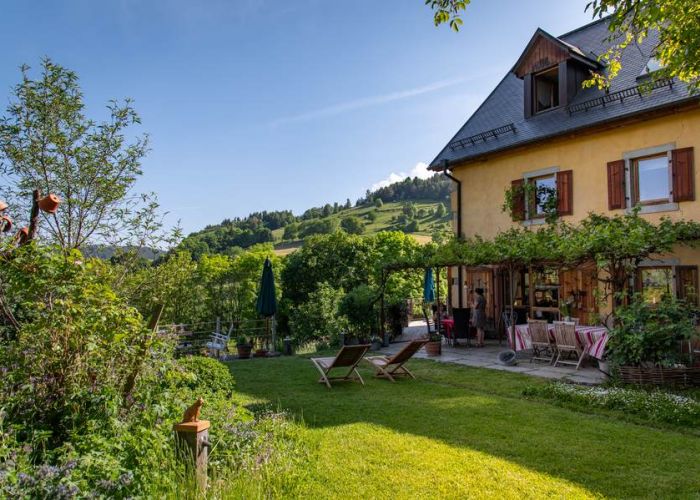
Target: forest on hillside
x,y
232,235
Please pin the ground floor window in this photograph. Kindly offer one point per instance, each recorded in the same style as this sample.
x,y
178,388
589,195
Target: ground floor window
x,y
656,282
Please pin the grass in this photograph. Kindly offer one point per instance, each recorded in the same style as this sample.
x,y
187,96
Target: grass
x,y
465,432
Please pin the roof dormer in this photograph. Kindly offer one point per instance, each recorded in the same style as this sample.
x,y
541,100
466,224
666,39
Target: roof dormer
x,y
552,71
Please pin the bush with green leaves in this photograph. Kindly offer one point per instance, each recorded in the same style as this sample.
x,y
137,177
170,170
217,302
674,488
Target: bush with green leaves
x,y
359,307
647,333
654,406
352,225
319,318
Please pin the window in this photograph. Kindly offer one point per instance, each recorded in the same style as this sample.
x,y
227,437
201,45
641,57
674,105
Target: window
x,y
650,180
546,90
545,188
656,282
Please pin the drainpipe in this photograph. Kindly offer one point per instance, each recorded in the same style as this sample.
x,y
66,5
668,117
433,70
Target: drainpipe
x,y
460,279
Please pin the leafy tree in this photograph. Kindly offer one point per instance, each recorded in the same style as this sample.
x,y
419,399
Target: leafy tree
x,y
317,226
631,21
47,143
318,317
327,210
441,211
447,11
348,204
352,225
371,215
378,202
291,232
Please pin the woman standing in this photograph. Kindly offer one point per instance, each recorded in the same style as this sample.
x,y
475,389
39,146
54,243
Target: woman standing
x,y
479,315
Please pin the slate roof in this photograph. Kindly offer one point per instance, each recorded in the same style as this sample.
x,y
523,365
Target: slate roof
x,y
503,110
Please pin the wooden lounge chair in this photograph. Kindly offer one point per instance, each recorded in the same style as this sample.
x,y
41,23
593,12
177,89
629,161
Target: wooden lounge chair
x,y
566,342
542,347
390,367
349,357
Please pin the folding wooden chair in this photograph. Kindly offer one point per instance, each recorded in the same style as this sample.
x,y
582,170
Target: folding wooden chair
x,y
390,367
542,347
566,342
349,356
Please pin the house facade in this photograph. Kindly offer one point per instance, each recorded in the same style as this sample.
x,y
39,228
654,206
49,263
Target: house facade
x,y
599,151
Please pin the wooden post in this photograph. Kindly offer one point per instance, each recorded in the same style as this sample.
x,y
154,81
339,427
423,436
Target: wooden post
x,y
33,216
192,440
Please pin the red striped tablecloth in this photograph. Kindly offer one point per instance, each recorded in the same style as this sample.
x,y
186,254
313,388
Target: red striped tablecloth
x,y
593,338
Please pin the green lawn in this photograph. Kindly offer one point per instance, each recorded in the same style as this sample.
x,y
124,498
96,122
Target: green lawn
x,y
465,432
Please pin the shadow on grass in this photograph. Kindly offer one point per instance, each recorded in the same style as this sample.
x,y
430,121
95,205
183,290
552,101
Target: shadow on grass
x,y
483,410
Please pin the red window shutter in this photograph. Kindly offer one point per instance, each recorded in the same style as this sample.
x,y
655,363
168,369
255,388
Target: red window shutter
x,y
687,283
616,185
518,200
682,173
565,192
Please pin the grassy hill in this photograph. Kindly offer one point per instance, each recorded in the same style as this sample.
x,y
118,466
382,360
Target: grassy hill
x,y
385,220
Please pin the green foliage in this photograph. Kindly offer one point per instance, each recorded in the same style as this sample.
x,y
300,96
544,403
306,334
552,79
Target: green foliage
x,y
448,11
317,226
631,21
197,372
541,196
650,333
47,143
378,203
359,307
352,225
318,318
441,210
291,232
652,406
77,341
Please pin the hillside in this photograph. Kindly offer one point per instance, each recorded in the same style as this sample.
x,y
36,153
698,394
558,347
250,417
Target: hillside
x,y
387,219
415,206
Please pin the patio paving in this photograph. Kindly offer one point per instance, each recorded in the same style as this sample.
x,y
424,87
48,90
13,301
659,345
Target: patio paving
x,y
487,357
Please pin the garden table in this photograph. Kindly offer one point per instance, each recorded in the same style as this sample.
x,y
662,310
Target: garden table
x,y
592,338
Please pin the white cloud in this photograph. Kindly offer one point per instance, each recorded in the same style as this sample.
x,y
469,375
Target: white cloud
x,y
420,170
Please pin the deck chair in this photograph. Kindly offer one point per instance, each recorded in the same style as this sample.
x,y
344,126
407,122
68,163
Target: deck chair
x,y
566,343
390,367
542,347
349,357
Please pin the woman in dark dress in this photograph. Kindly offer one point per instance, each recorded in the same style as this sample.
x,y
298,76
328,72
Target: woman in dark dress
x,y
479,315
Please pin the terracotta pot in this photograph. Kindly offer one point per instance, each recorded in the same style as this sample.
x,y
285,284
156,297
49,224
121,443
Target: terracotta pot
x,y
7,223
3,205
243,351
49,203
433,348
23,234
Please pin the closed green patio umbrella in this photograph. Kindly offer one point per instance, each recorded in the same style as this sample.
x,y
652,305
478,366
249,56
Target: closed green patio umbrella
x,y
267,300
428,286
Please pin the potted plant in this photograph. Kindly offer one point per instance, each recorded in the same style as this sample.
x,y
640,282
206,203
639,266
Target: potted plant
x,y
434,345
243,347
376,343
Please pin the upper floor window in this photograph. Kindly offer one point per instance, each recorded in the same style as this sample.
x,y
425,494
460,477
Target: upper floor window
x,y
546,90
650,180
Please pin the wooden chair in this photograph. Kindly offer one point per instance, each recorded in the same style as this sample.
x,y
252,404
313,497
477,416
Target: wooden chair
x,y
542,347
390,367
349,357
566,342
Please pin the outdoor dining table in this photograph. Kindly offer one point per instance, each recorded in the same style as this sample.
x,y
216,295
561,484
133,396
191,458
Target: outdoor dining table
x,y
594,338
448,324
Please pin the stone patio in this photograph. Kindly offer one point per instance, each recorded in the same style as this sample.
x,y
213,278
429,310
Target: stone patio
x,y
487,357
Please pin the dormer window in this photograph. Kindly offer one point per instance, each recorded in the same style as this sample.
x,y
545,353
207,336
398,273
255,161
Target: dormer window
x,y
546,90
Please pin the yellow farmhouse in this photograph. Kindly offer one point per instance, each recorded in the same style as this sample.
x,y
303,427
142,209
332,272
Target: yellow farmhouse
x,y
599,151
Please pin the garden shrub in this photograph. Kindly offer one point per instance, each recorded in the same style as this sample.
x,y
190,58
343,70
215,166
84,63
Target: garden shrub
x,y
358,306
650,333
318,318
653,406
201,372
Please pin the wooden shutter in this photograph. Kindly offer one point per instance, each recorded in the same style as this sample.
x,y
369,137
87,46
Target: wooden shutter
x,y
682,173
616,185
527,93
518,200
565,192
687,283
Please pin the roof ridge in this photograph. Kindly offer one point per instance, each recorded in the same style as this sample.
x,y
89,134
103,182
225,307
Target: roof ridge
x,y
580,28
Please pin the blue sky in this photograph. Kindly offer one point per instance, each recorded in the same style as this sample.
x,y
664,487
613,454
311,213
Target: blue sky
x,y
272,104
